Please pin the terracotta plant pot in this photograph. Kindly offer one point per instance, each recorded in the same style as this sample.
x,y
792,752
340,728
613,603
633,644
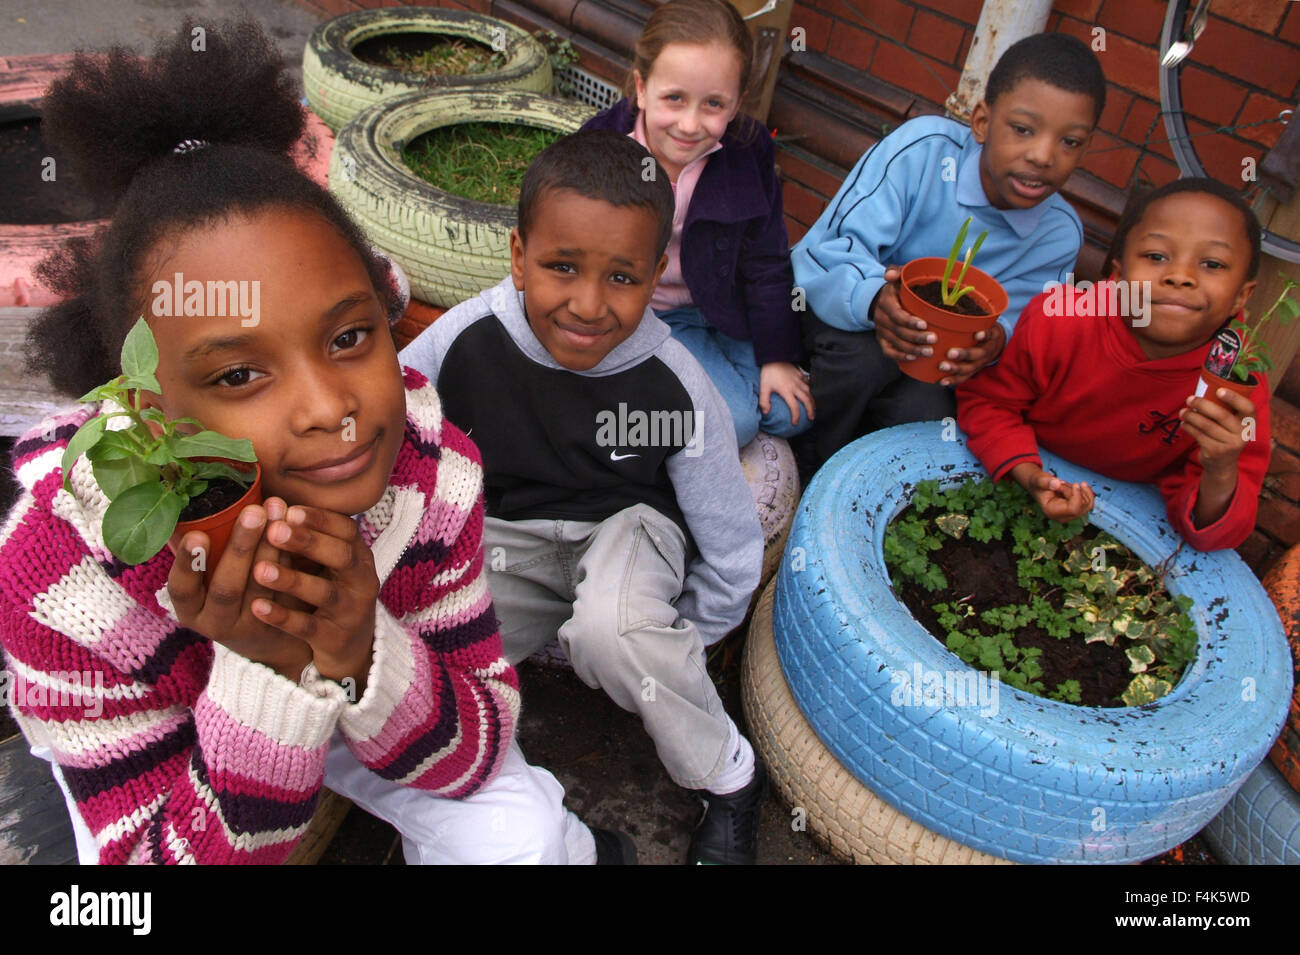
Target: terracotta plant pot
x,y
954,330
219,525
1210,383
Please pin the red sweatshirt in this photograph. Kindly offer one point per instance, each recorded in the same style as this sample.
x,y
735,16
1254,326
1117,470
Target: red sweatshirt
x,y
1083,389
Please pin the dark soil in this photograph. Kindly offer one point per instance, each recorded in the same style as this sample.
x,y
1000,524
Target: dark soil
x,y
220,494
932,292
984,575
28,199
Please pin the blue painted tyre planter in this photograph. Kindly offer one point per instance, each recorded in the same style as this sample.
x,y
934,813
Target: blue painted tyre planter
x,y
1035,780
1260,825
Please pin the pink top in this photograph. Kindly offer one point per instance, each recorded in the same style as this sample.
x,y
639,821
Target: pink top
x,y
671,292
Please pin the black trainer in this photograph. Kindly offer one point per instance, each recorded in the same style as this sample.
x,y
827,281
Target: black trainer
x,y
613,847
728,832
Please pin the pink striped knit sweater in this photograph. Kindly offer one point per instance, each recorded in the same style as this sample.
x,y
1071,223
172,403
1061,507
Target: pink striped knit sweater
x,y
192,753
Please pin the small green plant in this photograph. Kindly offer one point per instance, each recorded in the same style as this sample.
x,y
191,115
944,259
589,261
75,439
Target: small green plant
x,y
1255,355
1079,587
562,56
148,478
951,289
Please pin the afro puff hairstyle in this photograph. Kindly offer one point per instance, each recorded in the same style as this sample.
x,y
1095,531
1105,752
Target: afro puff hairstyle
x,y
117,118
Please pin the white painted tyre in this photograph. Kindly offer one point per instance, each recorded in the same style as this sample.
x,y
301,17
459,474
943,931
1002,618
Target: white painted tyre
x,y
451,248
338,85
773,479
841,812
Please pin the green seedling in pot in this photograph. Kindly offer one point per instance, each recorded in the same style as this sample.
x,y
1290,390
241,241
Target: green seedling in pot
x,y
951,289
1255,356
148,478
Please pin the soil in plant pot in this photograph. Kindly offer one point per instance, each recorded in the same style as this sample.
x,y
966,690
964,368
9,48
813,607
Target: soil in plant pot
x,y
984,576
429,54
221,494
932,292
484,162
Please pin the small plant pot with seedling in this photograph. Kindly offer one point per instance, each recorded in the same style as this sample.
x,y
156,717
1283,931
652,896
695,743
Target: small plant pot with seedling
x,y
954,303
153,472
1238,355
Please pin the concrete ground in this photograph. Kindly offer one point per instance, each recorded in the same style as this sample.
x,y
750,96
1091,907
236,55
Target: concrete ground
x,y
611,776
62,26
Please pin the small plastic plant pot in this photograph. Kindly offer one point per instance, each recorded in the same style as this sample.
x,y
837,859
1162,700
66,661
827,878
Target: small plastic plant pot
x,y
953,330
219,525
1209,384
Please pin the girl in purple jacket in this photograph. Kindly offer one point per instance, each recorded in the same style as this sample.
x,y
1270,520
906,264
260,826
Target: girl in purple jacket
x,y
727,293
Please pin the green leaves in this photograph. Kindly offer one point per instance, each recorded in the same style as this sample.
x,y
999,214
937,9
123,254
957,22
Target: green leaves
x,y
954,525
1081,586
140,358
951,292
1255,355
1145,688
140,520
148,470
116,475
211,444
85,439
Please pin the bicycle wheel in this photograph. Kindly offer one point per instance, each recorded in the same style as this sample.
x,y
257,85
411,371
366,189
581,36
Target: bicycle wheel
x,y
1180,140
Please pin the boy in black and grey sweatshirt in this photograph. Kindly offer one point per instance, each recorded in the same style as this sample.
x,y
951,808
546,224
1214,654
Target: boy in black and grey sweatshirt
x,y
618,515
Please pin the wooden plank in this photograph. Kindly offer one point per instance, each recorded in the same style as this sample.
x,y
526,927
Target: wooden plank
x,y
34,824
330,810
25,399
1284,340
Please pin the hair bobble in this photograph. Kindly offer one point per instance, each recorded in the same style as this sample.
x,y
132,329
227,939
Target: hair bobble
x,y
189,146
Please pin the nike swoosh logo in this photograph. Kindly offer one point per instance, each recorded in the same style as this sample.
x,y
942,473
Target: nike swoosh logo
x,y
615,456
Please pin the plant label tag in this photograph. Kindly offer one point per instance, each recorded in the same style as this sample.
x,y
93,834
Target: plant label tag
x,y
1223,352
1223,355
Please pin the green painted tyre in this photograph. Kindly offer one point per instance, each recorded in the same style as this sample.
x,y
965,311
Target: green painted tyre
x,y
450,248
338,85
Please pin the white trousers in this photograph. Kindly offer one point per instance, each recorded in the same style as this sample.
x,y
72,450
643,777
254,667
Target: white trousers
x,y
518,818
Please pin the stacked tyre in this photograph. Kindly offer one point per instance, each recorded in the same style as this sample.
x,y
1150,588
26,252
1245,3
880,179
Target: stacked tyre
x,y
339,85
1260,825
1028,779
451,248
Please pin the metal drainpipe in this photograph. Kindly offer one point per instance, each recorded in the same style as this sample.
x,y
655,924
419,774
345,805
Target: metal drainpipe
x,y
1001,23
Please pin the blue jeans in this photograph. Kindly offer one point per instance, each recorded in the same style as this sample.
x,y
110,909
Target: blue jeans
x,y
731,366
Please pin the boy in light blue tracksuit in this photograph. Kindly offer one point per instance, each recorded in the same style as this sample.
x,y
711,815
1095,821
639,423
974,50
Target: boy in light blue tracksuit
x,y
907,198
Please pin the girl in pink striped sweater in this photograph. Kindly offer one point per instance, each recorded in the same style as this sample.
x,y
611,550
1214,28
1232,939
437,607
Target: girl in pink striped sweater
x,y
347,636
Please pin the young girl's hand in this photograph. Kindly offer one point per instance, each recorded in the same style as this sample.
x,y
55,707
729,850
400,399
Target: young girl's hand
x,y
901,334
222,611
1221,435
786,380
1059,500
336,577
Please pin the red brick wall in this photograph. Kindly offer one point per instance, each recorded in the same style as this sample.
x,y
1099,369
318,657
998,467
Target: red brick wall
x,y
1245,68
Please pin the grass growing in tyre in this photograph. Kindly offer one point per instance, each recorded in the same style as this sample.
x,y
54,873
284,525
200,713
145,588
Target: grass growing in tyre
x,y
484,162
443,56
1063,611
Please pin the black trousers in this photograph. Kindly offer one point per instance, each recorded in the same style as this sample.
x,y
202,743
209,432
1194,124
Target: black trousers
x,y
858,389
